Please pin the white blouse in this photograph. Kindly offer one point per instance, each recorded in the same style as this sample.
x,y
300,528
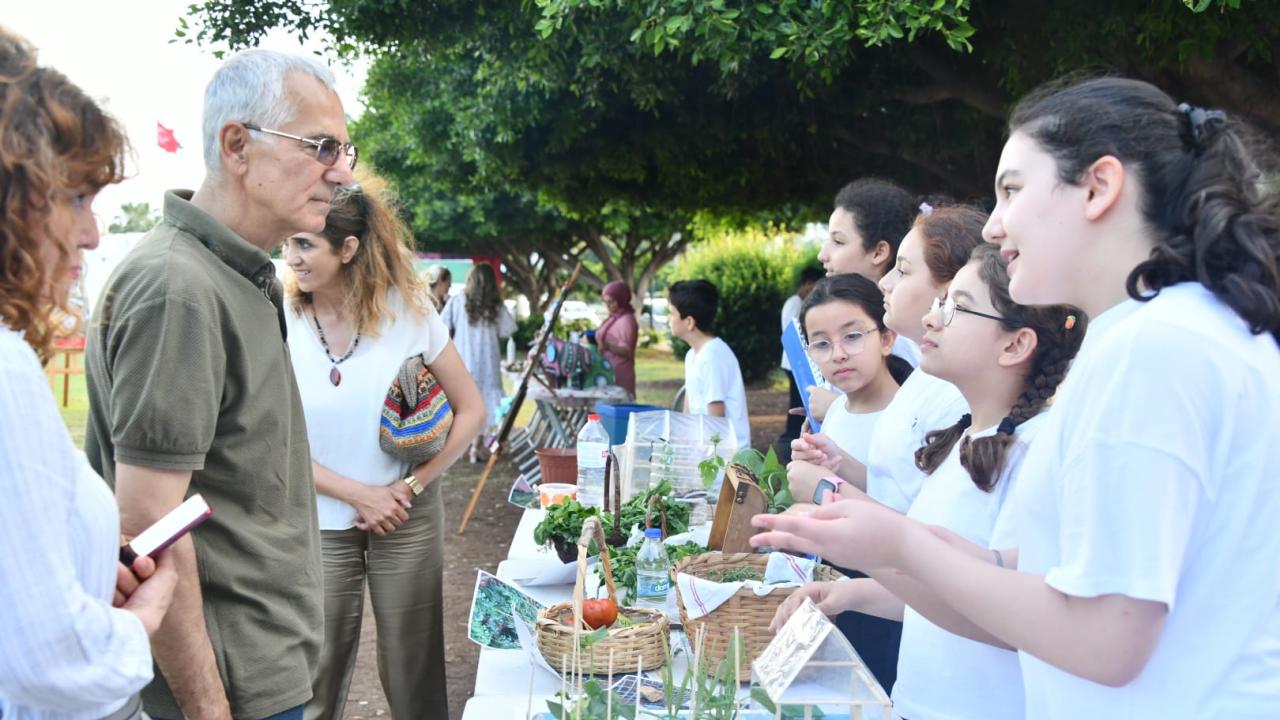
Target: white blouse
x,y
65,653
343,420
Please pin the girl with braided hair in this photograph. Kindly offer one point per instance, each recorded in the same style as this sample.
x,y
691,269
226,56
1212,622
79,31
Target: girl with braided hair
x,y
1007,360
1147,580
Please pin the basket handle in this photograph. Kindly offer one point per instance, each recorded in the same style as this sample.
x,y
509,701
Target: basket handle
x,y
591,530
613,471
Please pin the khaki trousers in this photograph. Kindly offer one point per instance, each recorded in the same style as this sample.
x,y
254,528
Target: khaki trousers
x,y
404,574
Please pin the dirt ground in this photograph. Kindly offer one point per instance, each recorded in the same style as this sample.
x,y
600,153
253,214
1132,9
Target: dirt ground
x,y
483,546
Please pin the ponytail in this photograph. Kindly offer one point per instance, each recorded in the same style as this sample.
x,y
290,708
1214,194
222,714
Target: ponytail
x,y
1059,331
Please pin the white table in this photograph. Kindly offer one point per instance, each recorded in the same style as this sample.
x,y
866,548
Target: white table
x,y
503,677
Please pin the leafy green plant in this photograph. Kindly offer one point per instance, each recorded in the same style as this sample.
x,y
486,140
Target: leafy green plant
x,y
711,466
772,475
564,521
623,561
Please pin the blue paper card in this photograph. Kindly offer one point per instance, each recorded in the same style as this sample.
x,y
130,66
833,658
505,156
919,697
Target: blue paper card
x,y
793,345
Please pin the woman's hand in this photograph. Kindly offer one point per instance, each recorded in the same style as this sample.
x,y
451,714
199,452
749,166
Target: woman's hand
x,y
818,450
803,478
146,590
860,534
832,598
382,510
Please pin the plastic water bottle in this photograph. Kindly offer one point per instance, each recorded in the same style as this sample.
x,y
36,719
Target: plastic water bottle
x,y
653,571
593,448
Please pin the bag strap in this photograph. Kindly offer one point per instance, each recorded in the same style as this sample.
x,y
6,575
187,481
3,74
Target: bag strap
x,y
410,369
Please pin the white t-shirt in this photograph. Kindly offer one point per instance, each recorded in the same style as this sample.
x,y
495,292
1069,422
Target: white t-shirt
x,y
907,349
923,403
790,312
942,676
851,431
1157,476
343,420
712,375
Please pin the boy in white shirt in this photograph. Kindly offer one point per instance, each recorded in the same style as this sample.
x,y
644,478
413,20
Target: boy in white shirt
x,y
712,378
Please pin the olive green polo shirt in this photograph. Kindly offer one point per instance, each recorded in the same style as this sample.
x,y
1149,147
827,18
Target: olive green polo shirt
x,y
188,370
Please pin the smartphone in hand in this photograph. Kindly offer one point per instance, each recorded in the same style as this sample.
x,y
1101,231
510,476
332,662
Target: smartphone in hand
x,y
167,530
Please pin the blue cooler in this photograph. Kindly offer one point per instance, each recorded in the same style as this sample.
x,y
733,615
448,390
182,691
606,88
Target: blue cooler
x,y
615,418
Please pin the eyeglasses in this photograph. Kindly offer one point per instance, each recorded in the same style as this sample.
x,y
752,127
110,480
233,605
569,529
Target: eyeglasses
x,y
328,149
851,342
949,309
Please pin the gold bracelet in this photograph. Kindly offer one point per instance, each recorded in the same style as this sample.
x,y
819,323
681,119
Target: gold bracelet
x,y
413,484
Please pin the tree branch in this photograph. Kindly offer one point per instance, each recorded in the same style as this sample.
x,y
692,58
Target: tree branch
x,y
952,84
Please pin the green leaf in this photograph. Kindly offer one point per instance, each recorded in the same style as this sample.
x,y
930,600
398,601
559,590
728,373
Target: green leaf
x,y
777,53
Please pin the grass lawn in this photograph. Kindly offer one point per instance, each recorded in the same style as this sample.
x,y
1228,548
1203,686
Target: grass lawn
x,y
76,413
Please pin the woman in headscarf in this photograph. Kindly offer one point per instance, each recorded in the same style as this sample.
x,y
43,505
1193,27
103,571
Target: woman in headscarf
x,y
617,335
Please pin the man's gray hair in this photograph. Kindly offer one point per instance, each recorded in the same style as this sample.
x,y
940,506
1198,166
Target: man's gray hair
x,y
249,87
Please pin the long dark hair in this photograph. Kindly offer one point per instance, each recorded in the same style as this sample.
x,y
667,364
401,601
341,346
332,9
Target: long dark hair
x,y
481,294
1057,340
1205,186
859,290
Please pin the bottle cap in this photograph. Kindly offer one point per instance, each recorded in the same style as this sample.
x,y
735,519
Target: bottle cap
x,y
592,417
655,533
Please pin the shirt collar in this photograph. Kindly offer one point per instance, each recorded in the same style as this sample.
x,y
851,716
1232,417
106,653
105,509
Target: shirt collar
x,y
234,251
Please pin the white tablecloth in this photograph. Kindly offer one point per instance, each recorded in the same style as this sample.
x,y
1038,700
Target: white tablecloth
x,y
503,676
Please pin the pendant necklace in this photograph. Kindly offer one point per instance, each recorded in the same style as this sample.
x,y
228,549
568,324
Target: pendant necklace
x,y
335,376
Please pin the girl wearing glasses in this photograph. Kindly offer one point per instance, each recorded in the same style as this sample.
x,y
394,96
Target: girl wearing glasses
x,y
843,321
1007,360
1147,580
938,245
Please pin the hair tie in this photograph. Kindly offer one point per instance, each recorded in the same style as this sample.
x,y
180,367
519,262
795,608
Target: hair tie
x,y
1007,425
926,209
965,421
1070,324
1204,123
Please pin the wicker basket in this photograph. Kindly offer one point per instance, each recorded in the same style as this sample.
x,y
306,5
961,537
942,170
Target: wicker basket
x,y
751,614
559,628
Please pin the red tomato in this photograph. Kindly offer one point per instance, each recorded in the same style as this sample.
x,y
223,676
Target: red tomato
x,y
599,613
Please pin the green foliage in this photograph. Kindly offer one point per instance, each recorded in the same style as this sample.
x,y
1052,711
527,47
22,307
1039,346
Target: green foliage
x,y
527,330
564,520
753,273
134,217
623,562
518,117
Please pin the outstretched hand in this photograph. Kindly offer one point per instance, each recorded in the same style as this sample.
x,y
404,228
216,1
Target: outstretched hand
x,y
859,533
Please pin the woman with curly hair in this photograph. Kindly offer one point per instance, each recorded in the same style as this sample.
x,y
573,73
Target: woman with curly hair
x,y
1146,577
75,627
479,321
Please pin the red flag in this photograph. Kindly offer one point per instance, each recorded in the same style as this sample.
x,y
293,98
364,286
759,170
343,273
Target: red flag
x,y
166,140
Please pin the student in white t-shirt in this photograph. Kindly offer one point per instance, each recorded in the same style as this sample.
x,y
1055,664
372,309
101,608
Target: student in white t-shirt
x,y
843,323
1147,580
1007,359
712,377
937,246
869,218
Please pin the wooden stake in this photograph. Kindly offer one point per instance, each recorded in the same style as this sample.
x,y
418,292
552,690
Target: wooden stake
x,y
608,700
499,443
639,684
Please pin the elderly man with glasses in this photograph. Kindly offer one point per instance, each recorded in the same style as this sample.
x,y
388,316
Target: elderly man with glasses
x,y
191,390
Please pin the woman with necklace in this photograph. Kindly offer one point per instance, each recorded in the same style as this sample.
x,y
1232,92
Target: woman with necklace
x,y
357,311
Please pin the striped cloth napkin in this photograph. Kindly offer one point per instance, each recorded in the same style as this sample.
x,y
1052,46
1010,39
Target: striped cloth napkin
x,y
701,597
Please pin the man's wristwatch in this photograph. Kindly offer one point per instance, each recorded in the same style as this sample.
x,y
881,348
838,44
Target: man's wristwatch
x,y
832,483
413,484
